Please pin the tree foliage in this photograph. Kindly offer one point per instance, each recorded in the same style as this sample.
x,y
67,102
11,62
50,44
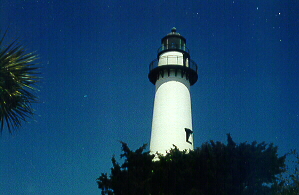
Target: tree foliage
x,y
17,78
214,168
289,182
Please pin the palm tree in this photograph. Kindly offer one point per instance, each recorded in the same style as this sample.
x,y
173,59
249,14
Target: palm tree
x,y
18,75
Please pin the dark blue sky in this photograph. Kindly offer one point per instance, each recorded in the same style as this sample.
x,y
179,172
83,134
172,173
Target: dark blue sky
x,y
95,91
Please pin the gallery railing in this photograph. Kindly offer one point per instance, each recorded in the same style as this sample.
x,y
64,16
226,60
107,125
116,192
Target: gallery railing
x,y
173,60
173,47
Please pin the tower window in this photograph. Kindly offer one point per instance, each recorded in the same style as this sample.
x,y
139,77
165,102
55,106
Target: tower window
x,y
188,133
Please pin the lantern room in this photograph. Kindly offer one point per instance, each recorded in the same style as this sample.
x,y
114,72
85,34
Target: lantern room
x,y
173,42
173,56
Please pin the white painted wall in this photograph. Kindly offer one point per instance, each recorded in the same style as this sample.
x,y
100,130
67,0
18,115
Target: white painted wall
x,y
172,114
171,57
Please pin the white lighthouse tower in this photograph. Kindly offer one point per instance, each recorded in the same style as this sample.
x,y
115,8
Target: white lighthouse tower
x,y
173,72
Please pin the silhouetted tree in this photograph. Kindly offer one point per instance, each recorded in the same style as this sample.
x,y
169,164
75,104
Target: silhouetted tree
x,y
289,184
17,77
214,169
132,177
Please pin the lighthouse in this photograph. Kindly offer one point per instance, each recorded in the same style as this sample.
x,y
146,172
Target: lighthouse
x,y
172,73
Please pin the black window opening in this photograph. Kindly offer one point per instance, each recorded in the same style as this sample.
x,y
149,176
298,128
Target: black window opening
x,y
188,134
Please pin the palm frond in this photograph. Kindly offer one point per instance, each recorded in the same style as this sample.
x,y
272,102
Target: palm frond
x,y
17,81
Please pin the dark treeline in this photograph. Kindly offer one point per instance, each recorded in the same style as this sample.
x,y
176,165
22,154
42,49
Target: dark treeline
x,y
212,169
